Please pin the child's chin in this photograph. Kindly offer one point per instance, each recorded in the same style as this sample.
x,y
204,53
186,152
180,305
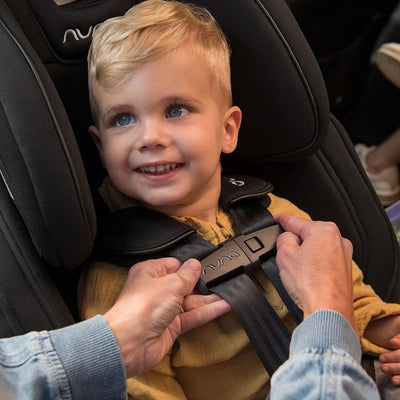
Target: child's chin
x,y
158,203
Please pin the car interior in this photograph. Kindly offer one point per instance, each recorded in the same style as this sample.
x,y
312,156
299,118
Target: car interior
x,y
342,36
287,79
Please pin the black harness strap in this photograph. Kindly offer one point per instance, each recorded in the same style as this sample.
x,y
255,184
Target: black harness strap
x,y
226,271
228,277
251,213
136,234
262,325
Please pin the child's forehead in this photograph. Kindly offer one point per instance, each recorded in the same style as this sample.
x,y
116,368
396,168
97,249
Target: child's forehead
x,y
181,66
182,76
158,85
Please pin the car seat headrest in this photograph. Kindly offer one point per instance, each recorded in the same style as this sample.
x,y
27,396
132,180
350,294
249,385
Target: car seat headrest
x,y
39,159
275,80
68,28
275,77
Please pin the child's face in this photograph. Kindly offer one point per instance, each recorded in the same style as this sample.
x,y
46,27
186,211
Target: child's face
x,y
161,132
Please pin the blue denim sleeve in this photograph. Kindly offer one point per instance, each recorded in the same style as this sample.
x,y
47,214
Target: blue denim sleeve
x,y
324,363
81,361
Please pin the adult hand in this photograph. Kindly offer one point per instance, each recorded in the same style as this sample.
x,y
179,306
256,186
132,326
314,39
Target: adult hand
x,y
148,315
315,264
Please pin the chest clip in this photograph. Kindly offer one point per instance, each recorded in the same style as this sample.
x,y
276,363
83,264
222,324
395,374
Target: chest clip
x,y
237,255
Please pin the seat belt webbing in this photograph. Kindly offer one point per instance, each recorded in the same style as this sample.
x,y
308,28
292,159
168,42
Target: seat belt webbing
x,y
251,213
265,329
262,325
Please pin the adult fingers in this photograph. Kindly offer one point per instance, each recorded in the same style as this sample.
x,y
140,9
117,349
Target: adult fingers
x,y
394,342
196,300
391,368
203,314
390,357
304,228
288,239
155,268
396,380
189,272
291,223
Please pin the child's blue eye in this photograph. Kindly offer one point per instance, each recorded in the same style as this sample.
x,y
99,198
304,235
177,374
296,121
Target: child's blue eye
x,y
176,111
125,119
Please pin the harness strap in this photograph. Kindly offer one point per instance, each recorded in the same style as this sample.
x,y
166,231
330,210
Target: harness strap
x,y
193,247
250,215
266,331
226,269
262,325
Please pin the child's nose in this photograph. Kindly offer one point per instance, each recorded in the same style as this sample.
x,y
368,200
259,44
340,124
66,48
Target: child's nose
x,y
153,135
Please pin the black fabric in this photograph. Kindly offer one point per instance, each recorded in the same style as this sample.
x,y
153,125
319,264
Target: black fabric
x,y
250,216
29,300
264,328
275,80
235,188
39,159
247,216
237,197
138,230
68,29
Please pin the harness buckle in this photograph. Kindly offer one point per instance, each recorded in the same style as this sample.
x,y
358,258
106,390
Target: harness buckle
x,y
237,255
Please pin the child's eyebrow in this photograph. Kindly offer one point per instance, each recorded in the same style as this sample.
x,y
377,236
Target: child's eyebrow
x,y
182,99
116,109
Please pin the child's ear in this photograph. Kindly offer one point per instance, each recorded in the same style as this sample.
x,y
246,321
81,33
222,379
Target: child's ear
x,y
95,134
232,120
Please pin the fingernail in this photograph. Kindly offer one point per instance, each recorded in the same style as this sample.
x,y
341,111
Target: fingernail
x,y
385,368
193,264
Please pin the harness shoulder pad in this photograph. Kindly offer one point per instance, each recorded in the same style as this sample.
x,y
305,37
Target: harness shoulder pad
x,y
137,231
235,188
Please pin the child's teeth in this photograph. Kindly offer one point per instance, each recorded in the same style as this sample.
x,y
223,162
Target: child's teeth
x,y
159,169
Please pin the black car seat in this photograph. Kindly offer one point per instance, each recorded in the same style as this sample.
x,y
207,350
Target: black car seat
x,y
288,137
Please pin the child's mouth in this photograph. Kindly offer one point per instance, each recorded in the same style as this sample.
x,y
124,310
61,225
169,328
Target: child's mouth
x,y
159,169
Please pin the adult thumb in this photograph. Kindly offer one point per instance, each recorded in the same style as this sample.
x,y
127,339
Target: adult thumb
x,y
190,274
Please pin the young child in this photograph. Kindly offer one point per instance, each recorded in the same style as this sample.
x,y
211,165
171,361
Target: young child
x,y
161,100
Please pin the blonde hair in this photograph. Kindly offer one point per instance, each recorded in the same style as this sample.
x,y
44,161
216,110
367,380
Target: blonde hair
x,y
150,30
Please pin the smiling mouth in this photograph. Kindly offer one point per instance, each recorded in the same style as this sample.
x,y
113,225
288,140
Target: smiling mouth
x,y
159,169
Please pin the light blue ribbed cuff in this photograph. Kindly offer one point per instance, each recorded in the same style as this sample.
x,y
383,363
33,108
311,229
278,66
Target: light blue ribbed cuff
x,y
91,357
325,329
